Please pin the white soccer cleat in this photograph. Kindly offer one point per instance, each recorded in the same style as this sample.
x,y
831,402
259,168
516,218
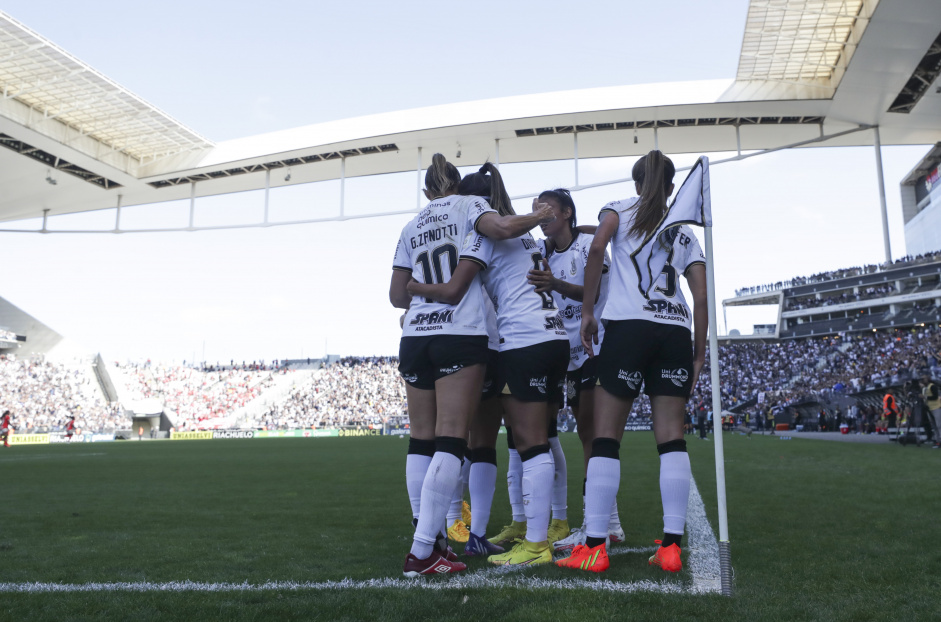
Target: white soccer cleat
x,y
574,539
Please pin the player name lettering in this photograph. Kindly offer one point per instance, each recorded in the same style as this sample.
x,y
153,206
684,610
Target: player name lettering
x,y
434,235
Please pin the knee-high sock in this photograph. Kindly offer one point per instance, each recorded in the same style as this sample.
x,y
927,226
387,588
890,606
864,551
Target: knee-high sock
x,y
465,475
443,476
514,484
614,521
483,483
454,509
604,477
560,486
674,490
416,465
537,491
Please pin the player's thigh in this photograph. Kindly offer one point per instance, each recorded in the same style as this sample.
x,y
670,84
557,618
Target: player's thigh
x,y
528,420
485,425
457,397
611,412
422,410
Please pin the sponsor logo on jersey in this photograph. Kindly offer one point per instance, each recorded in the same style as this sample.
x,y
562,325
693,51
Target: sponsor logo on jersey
x,y
434,318
447,371
633,379
665,310
571,312
427,219
539,383
410,377
676,376
553,322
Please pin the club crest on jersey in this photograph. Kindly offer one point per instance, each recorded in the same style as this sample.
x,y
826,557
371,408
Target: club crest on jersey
x,y
539,383
633,379
676,376
570,389
574,267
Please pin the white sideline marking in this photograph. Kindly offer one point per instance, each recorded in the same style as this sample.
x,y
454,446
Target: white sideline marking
x,y
703,563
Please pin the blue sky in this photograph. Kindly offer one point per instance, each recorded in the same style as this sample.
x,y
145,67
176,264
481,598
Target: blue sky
x,y
234,69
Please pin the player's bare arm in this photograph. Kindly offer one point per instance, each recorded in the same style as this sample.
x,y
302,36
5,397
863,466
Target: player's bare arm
x,y
696,277
398,294
451,292
498,227
593,269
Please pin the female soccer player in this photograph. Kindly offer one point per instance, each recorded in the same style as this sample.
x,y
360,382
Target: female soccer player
x,y
646,341
442,352
532,360
566,252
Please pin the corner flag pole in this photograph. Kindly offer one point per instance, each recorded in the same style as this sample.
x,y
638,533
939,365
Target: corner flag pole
x,y
725,560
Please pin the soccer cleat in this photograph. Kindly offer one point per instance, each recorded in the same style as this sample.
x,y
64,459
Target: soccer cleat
x,y
480,546
514,531
667,557
558,529
441,548
525,553
588,559
615,534
574,539
458,531
434,565
465,513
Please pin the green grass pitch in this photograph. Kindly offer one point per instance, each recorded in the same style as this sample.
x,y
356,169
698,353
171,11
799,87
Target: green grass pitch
x,y
819,531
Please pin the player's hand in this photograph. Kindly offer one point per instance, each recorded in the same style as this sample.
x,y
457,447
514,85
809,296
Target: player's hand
x,y
698,364
409,287
543,212
542,280
589,334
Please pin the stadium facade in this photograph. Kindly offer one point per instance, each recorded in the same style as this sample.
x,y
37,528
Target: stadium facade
x,y
921,203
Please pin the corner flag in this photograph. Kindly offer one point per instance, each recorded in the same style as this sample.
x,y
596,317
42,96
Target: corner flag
x,y
692,205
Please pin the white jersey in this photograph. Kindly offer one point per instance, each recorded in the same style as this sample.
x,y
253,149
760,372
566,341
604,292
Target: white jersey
x,y
429,249
666,305
524,318
568,264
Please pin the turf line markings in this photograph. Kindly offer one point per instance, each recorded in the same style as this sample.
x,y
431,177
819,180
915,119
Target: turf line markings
x,y
702,562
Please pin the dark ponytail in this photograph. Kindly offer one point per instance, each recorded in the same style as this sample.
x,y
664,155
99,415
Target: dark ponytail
x,y
653,173
442,178
487,182
564,198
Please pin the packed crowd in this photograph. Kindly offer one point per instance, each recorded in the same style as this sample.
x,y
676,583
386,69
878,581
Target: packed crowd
x,y
355,391
869,293
908,260
43,395
196,397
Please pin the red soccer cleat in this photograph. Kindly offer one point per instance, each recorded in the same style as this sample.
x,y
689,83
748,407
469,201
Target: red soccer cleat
x,y
667,557
433,565
584,558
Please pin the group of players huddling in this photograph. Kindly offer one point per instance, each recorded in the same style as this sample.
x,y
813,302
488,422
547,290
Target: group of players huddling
x,y
498,325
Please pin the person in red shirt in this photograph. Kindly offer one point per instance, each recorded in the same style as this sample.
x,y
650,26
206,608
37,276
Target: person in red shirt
x,y
70,428
6,427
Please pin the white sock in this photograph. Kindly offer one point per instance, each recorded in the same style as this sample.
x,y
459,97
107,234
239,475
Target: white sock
x,y
465,477
443,475
416,465
614,522
514,484
604,477
483,483
537,491
560,486
674,490
454,510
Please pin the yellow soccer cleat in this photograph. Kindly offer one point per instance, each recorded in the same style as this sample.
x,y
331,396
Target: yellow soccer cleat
x,y
558,530
465,513
525,553
514,531
458,531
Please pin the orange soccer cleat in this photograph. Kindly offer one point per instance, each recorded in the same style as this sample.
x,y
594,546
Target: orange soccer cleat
x,y
667,557
584,558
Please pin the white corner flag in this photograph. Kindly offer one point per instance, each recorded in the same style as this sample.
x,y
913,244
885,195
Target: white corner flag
x,y
692,205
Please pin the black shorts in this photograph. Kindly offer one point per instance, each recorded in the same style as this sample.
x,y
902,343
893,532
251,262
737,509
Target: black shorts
x,y
534,373
582,379
640,351
423,360
491,388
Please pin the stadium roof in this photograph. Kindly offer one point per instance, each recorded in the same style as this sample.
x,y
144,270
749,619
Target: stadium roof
x,y
808,68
